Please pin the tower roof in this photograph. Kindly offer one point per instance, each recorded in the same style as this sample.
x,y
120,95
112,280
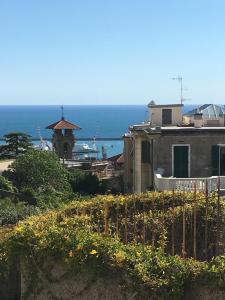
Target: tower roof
x,y
63,124
151,103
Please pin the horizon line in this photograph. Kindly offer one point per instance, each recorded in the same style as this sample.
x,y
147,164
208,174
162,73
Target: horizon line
x,y
136,104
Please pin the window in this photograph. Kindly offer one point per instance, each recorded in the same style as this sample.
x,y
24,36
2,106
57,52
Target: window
x,y
145,152
215,162
166,116
181,161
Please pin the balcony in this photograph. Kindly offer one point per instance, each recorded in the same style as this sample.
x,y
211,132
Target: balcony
x,y
188,184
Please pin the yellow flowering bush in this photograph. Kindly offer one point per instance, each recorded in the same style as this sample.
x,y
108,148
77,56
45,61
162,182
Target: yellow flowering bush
x,y
94,232
120,257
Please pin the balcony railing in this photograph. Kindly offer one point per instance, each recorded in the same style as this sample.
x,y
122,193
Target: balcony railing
x,y
188,184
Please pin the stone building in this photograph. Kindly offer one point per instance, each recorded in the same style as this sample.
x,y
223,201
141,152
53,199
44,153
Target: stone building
x,y
165,153
63,139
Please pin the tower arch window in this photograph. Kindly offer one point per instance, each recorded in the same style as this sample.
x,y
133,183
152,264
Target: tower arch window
x,y
66,148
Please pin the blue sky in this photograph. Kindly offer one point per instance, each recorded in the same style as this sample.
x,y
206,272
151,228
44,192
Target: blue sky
x,y
111,52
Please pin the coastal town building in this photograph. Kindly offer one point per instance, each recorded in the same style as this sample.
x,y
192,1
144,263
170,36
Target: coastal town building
x,y
212,115
77,158
63,139
173,151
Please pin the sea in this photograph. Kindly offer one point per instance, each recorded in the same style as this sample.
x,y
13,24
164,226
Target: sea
x,y
106,123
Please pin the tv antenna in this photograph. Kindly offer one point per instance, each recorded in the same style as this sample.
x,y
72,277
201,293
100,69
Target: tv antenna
x,y
180,80
62,112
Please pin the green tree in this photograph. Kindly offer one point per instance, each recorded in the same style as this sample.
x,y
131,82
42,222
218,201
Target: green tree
x,y
39,171
15,144
6,185
85,183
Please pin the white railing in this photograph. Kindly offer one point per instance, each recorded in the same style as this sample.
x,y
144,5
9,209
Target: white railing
x,y
188,184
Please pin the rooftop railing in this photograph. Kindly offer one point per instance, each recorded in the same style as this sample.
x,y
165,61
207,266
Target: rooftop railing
x,y
189,184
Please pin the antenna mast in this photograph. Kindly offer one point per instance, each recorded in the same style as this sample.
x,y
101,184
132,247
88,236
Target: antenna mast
x,y
180,79
62,110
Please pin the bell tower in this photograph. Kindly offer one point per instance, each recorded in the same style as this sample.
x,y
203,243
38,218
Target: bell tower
x,y
63,139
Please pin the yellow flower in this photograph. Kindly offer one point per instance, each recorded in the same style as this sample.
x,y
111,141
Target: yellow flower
x,y
138,254
19,229
119,256
79,247
71,254
93,252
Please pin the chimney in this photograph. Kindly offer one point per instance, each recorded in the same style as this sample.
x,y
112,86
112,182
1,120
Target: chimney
x,y
198,120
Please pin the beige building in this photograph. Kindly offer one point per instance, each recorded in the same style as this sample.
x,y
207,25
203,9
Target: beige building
x,y
166,153
163,115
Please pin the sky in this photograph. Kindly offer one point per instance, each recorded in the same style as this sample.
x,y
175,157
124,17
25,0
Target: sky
x,y
111,51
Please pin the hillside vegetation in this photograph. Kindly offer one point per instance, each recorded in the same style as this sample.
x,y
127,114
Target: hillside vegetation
x,y
131,234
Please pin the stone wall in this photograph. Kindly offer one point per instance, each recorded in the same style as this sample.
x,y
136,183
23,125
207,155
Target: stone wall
x,y
200,292
85,284
55,281
10,286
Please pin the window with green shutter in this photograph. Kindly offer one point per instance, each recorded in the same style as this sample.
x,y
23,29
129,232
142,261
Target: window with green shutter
x,y
145,152
181,161
215,160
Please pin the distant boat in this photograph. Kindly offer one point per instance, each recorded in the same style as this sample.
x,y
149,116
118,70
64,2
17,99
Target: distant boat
x,y
84,148
85,151
43,145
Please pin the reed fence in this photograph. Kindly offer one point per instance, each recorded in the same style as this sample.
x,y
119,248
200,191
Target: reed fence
x,y
189,224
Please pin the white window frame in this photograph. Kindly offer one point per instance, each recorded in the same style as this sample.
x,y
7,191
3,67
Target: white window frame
x,y
189,157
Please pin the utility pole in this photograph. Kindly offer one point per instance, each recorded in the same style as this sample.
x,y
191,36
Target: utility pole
x,y
180,79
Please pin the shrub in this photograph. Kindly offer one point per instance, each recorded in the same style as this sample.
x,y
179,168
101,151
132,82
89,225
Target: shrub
x,y
6,185
11,213
76,235
70,241
85,183
40,171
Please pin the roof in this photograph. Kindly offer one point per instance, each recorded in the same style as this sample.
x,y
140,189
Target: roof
x,y
193,128
164,105
151,103
186,130
63,124
178,129
210,111
119,158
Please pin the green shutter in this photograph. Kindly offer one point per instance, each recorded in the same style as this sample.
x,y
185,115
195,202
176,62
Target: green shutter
x,y
180,161
215,160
